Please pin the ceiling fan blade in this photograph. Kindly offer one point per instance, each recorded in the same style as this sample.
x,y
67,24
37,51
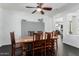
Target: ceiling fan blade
x,y
47,8
34,11
30,7
40,4
42,12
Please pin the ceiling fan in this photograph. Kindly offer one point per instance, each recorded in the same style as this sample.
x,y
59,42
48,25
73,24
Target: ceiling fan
x,y
40,8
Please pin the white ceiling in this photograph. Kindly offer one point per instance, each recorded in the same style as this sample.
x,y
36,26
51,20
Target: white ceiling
x,y
21,6
57,7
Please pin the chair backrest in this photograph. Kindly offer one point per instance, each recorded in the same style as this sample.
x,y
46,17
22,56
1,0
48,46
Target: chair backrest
x,y
30,33
12,35
48,38
40,34
36,41
55,34
51,34
58,32
47,35
36,36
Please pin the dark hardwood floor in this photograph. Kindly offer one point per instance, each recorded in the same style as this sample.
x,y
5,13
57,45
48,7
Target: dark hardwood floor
x,y
63,50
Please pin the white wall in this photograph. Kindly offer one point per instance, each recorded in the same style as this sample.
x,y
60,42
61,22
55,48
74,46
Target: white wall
x,y
12,22
70,39
57,20
1,26
49,24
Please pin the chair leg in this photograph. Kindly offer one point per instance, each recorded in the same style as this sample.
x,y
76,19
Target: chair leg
x,y
56,47
42,52
13,51
33,52
23,49
45,51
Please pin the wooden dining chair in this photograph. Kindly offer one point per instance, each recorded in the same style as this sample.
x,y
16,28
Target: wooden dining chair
x,y
42,42
14,45
55,37
37,44
41,34
48,35
49,44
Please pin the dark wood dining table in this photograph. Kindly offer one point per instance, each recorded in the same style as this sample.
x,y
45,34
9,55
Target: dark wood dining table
x,y
27,40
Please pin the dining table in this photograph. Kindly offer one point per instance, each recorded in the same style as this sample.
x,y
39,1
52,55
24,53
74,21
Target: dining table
x,y
28,40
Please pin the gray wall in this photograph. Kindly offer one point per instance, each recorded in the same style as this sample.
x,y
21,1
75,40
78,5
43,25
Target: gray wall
x,y
31,26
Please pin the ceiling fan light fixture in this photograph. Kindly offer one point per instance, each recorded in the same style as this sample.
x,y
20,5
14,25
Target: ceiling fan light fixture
x,y
39,9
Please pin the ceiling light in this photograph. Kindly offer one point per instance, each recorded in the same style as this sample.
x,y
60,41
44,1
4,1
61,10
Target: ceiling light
x,y
39,9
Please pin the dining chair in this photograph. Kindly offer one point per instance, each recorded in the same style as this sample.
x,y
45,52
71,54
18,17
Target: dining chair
x,y
49,44
37,44
14,45
55,37
58,32
42,42
41,34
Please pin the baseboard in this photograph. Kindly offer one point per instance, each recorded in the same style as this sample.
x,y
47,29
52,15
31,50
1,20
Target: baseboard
x,y
5,45
71,45
0,45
